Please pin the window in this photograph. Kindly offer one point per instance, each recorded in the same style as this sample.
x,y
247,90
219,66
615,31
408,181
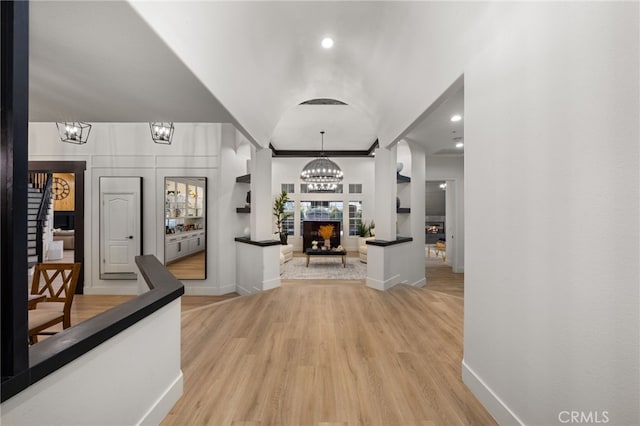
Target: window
x,y
320,210
288,224
305,189
355,188
289,188
355,216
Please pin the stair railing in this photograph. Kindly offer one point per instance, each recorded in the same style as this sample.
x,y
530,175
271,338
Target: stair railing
x,y
43,182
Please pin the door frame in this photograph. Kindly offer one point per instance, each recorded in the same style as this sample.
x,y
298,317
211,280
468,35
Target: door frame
x,y
78,168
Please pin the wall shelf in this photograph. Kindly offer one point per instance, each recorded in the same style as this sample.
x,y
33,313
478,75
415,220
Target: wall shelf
x,y
244,179
403,210
243,210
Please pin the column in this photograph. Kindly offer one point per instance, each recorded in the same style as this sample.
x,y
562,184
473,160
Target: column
x,y
416,274
385,193
261,202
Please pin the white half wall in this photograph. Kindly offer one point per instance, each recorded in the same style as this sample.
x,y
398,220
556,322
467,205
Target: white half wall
x,y
133,378
388,266
257,268
552,214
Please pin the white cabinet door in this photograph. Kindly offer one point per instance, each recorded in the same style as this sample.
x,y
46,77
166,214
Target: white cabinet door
x,y
196,244
171,252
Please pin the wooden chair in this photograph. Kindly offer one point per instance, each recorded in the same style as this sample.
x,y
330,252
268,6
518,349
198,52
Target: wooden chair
x,y
56,281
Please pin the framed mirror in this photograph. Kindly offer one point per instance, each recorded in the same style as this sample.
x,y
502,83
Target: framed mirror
x,y
185,227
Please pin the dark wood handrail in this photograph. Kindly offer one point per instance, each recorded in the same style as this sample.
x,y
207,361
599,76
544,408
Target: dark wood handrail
x,y
62,348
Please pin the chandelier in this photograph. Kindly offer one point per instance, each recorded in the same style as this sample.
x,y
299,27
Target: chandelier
x,y
75,132
161,132
321,174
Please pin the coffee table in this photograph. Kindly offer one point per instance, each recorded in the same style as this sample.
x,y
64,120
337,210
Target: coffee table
x,y
311,252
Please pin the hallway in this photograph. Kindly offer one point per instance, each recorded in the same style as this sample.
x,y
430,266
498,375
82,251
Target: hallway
x,y
338,352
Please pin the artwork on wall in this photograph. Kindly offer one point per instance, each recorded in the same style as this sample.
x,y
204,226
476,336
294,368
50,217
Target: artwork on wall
x,y
63,188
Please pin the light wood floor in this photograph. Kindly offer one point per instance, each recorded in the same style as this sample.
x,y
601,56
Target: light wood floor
x,y
188,268
86,306
328,353
322,353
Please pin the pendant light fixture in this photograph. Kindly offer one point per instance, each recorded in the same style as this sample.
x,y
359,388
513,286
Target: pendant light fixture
x,y
321,174
162,132
73,131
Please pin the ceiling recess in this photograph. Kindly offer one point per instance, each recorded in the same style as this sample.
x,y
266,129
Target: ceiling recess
x,y
323,101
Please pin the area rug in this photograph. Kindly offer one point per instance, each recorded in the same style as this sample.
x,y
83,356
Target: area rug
x,y
324,269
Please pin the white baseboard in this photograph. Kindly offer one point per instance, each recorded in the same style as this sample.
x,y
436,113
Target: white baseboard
x,y
420,283
243,291
208,291
269,284
383,285
118,290
226,289
494,405
165,403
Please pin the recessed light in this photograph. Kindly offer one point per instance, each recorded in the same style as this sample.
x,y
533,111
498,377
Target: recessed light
x,y
456,117
327,42
459,145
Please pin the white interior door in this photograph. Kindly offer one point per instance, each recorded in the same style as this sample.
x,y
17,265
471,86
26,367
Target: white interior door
x,y
120,225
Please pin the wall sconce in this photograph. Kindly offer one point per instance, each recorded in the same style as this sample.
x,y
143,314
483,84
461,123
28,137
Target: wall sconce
x,y
74,132
162,132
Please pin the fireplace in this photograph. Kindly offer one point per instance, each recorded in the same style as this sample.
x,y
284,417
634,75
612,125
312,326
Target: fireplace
x,y
310,232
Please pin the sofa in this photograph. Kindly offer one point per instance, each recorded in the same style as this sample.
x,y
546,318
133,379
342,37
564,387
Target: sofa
x,y
286,253
66,236
362,248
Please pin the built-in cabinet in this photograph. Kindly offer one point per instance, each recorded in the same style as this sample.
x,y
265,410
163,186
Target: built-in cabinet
x,y
184,204
184,217
183,244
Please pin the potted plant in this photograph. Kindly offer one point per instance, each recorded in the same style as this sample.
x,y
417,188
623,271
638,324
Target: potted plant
x,y
280,215
364,229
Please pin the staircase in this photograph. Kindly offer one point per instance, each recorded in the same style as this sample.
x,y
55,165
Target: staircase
x,y
38,205
33,206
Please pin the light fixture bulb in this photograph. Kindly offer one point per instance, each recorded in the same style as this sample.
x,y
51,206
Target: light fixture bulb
x,y
327,42
459,145
456,117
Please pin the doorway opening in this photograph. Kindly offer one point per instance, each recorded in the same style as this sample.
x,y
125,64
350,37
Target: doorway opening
x,y
68,209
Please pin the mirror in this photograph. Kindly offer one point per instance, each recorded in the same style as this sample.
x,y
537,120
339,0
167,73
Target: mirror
x,y
185,227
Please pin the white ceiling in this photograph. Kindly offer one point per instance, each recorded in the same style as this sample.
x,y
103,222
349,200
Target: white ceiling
x,y
100,62
251,64
436,131
345,128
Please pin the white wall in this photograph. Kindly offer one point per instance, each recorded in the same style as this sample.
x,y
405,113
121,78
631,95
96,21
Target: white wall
x,y
356,170
234,152
552,209
107,385
126,149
